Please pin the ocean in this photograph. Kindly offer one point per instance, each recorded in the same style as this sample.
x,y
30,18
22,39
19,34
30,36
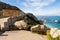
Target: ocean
x,y
50,21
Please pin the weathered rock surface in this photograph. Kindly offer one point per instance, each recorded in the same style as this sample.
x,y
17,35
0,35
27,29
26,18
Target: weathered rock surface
x,y
43,28
32,19
29,19
21,21
21,24
35,28
4,23
39,28
55,32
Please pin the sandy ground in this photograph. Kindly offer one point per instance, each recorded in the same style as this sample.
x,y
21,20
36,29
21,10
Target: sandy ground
x,y
21,35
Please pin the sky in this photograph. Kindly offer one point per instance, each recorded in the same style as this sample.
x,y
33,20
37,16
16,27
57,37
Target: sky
x,y
37,7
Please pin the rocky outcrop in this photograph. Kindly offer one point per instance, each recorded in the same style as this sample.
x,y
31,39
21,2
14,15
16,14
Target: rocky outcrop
x,y
22,21
56,21
29,18
39,28
43,28
21,24
32,18
7,10
7,6
54,32
5,23
35,28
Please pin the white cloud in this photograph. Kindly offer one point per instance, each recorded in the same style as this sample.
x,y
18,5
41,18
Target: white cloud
x,y
25,4
35,6
38,3
49,12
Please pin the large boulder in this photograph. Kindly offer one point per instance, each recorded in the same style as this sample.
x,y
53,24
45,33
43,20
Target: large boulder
x,y
43,28
54,32
39,28
21,24
35,28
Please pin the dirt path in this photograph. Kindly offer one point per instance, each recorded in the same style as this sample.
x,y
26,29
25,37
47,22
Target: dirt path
x,y
21,35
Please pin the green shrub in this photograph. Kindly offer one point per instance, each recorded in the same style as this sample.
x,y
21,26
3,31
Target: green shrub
x,y
50,37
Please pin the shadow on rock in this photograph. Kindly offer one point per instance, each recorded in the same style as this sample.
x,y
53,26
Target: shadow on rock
x,y
1,32
3,35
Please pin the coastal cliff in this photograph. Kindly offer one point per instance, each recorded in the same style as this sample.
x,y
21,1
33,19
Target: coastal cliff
x,y
7,10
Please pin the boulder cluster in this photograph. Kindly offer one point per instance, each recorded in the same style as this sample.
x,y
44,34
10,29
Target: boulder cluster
x,y
12,18
23,22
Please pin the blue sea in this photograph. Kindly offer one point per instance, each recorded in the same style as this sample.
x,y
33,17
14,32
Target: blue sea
x,y
50,21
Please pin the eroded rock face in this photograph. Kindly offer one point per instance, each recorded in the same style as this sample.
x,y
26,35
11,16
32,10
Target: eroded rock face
x,y
5,23
39,28
43,27
21,24
32,19
35,28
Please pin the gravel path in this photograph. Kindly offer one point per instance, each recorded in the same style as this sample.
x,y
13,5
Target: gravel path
x,y
21,35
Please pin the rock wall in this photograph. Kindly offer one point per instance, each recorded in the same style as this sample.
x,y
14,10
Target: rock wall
x,y
9,12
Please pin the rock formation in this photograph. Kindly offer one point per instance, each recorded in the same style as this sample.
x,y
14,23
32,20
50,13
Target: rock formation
x,y
7,10
39,28
5,23
35,28
7,6
54,32
21,24
29,18
21,21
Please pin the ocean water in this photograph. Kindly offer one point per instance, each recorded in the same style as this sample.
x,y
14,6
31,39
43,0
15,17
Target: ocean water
x,y
50,21
49,18
52,25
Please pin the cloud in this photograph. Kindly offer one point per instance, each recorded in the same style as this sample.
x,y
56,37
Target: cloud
x,y
37,3
35,6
